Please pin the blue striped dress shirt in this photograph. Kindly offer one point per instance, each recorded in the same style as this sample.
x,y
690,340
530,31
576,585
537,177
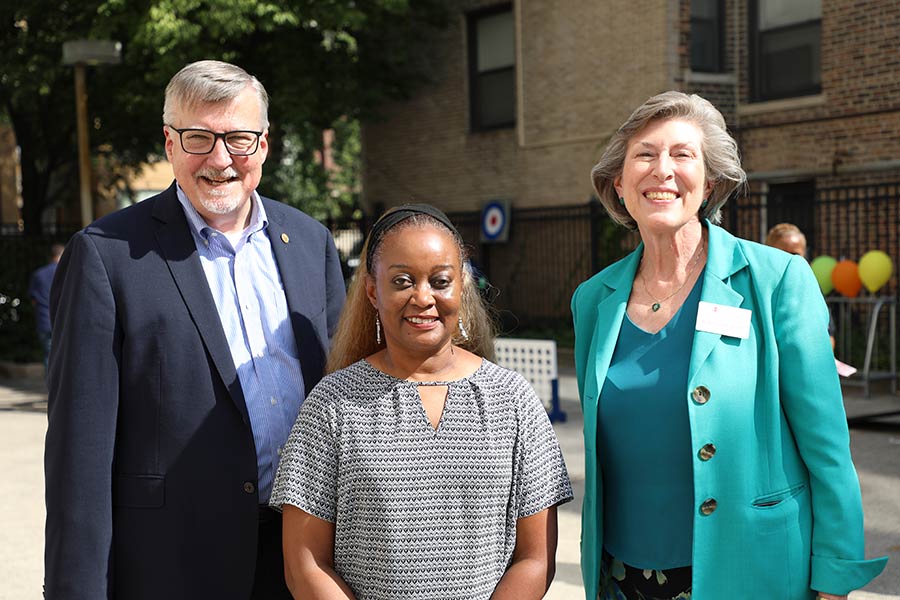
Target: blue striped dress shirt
x,y
245,283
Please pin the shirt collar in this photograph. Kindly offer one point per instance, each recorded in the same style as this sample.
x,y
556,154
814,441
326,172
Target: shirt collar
x,y
258,218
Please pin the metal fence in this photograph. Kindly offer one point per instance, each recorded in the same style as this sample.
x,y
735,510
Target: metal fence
x,y
842,222
550,251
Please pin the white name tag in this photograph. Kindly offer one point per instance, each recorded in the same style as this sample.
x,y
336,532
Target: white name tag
x,y
724,320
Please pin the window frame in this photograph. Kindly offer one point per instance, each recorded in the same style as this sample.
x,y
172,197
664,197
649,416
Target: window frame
x,y
719,58
756,68
476,122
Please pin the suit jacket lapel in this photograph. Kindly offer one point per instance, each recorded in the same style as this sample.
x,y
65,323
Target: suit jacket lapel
x,y
610,313
298,268
180,253
724,259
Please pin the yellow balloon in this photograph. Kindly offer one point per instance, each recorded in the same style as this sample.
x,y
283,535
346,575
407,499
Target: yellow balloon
x,y
875,268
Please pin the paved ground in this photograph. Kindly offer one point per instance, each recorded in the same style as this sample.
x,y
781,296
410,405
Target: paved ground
x,y
876,450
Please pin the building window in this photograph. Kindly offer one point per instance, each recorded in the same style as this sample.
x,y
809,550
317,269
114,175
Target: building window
x,y
707,35
492,61
787,52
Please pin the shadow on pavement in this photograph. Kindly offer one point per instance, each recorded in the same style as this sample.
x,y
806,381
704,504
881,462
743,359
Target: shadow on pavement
x,y
23,395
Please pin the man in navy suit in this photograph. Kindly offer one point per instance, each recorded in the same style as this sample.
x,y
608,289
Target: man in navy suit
x,y
187,330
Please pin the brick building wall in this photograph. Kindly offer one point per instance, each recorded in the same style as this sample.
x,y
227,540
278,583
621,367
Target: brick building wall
x,y
572,92
581,68
851,127
718,88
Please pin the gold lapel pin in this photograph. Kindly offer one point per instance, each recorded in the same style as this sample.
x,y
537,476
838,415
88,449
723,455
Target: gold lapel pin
x,y
285,238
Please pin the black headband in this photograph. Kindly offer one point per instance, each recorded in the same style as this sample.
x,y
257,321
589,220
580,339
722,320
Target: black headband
x,y
401,213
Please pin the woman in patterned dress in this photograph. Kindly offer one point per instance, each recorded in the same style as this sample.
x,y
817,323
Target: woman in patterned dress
x,y
418,469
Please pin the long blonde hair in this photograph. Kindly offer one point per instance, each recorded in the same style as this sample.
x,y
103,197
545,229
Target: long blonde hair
x,y
354,338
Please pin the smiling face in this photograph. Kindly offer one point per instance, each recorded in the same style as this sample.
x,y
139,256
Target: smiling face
x,y
218,184
663,179
415,287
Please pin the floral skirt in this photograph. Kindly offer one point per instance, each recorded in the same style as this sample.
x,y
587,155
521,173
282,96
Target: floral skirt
x,y
619,581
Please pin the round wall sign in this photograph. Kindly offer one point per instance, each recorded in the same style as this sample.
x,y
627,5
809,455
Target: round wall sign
x,y
493,221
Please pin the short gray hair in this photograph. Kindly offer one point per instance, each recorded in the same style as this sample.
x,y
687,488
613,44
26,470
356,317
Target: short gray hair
x,y
720,152
211,81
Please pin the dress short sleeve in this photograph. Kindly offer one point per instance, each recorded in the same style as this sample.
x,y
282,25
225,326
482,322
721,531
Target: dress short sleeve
x,y
542,477
308,471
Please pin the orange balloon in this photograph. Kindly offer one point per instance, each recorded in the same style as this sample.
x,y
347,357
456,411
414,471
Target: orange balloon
x,y
845,277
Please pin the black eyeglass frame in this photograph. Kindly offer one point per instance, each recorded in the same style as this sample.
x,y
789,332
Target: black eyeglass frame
x,y
216,138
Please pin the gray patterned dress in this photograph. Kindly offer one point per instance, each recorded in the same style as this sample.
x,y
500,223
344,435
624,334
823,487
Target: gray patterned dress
x,y
420,512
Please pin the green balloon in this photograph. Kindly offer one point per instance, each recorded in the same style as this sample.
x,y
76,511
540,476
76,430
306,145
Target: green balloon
x,y
822,267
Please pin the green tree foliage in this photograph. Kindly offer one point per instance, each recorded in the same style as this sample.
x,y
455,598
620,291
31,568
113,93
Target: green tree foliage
x,y
325,63
326,186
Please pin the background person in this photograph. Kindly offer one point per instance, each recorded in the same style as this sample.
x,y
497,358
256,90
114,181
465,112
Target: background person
x,y
717,449
788,237
187,330
39,292
419,469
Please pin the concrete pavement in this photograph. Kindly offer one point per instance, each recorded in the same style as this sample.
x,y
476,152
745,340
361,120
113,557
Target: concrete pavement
x,y
23,420
876,453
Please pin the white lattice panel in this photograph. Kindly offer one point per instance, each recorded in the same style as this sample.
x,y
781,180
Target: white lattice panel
x,y
535,360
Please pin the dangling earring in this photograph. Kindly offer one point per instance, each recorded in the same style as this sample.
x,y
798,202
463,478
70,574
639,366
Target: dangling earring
x,y
377,330
462,330
704,203
621,201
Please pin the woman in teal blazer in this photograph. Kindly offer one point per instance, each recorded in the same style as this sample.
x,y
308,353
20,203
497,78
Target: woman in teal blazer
x,y
717,462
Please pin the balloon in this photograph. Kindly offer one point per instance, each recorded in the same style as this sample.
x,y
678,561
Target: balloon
x,y
875,268
845,277
822,267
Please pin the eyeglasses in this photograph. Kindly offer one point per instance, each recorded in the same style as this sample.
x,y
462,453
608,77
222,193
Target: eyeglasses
x,y
201,141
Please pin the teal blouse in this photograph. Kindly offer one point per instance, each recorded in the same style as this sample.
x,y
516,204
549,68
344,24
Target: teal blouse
x,y
644,443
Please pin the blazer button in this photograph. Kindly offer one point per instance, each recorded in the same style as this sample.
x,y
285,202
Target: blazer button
x,y
707,451
249,487
709,506
700,394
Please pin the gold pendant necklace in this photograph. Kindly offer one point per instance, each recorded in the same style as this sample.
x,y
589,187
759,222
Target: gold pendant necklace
x,y
657,304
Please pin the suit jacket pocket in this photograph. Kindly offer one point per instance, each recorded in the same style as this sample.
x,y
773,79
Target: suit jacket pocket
x,y
769,501
139,491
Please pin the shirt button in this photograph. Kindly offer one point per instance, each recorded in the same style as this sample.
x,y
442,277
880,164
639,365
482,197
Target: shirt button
x,y
273,400
707,451
249,487
701,394
278,451
709,506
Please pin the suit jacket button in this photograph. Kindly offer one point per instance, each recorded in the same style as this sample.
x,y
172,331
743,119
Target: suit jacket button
x,y
707,451
709,506
700,394
249,487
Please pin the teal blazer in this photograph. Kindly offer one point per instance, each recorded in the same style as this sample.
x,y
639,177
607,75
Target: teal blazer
x,y
788,513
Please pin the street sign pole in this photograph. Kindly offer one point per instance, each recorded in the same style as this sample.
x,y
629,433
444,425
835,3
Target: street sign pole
x,y
84,153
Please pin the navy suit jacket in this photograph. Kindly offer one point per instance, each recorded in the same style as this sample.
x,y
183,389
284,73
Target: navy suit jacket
x,y
150,462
